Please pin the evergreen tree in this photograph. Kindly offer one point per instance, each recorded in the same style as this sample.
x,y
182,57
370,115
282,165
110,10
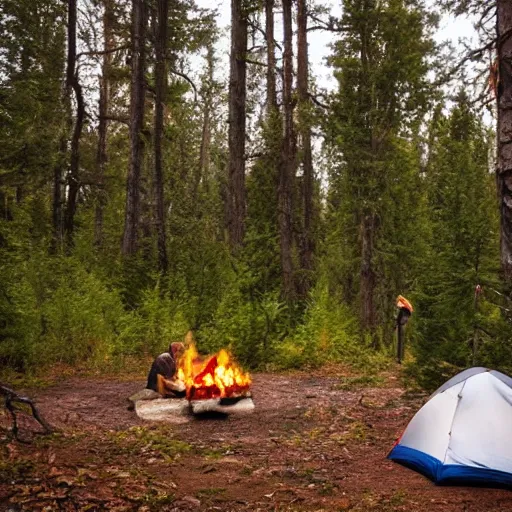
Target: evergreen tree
x,y
455,310
32,39
381,64
224,223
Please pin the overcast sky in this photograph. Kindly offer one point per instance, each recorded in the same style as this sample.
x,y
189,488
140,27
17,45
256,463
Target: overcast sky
x,y
451,29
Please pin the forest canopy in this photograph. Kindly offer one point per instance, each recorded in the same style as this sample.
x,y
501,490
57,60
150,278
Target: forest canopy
x,y
142,198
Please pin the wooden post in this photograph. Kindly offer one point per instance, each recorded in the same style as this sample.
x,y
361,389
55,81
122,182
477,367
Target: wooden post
x,y
402,318
400,344
405,310
478,291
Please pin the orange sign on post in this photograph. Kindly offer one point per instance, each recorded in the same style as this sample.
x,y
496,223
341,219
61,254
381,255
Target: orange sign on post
x,y
402,302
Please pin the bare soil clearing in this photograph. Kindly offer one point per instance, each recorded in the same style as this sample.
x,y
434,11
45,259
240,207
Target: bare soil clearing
x,y
314,443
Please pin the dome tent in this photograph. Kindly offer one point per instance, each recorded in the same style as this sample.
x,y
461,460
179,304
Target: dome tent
x,y
463,434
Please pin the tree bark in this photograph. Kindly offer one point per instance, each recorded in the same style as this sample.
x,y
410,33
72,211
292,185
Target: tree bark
x,y
307,243
204,151
504,168
287,166
137,92
271,57
72,82
103,107
367,277
368,219
160,90
57,202
237,108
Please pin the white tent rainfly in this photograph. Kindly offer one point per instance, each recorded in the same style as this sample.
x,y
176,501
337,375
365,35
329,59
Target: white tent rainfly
x,y
463,434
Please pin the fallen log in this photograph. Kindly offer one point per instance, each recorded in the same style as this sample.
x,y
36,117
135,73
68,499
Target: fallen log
x,y
235,405
10,399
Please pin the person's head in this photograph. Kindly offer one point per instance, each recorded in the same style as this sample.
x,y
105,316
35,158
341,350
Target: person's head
x,y
176,349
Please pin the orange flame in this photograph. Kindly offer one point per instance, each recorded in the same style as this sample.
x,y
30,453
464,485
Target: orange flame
x,y
216,376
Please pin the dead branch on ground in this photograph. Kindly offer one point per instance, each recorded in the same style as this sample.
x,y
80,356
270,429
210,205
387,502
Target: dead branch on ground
x,y
11,398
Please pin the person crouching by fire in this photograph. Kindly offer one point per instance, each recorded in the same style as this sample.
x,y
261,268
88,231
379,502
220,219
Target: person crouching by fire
x,y
162,375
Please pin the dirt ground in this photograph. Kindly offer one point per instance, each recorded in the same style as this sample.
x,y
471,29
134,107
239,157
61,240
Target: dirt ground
x,y
313,443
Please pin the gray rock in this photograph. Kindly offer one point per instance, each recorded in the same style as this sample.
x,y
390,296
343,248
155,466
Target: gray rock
x,y
145,394
169,410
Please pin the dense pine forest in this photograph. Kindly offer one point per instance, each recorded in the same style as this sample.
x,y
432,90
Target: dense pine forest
x,y
148,188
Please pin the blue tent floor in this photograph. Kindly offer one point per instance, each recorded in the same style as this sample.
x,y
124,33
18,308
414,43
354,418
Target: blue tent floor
x,y
448,474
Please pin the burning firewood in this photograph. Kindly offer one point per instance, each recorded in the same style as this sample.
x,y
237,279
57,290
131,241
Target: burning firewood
x,y
215,377
11,398
215,384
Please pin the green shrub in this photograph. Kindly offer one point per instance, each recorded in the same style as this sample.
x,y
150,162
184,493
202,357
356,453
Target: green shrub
x,y
328,334
153,326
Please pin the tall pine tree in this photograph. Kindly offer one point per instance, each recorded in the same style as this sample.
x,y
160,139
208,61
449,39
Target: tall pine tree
x,y
381,64
455,311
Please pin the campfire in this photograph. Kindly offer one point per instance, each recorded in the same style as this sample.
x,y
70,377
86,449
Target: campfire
x,y
216,376
203,386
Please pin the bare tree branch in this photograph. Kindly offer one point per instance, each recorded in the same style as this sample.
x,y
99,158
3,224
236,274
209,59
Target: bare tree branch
x,y
12,397
482,21
255,62
254,48
119,119
469,57
104,52
185,77
316,101
256,27
330,25
253,156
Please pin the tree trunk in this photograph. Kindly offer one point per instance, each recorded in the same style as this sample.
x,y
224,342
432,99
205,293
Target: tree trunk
x,y
103,107
307,243
72,82
271,57
504,168
57,202
368,219
367,277
204,151
160,89
137,91
476,330
237,102
287,166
